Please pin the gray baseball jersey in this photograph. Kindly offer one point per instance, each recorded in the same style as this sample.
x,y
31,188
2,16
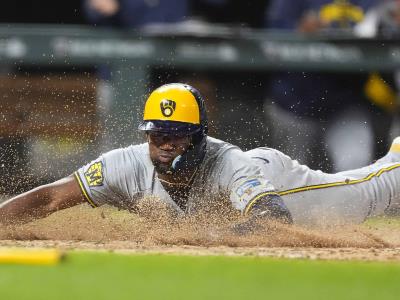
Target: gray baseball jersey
x,y
122,177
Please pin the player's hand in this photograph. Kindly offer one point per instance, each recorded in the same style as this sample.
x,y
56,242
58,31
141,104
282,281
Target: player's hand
x,y
270,208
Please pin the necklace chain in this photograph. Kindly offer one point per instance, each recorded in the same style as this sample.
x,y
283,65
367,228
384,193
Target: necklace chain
x,y
178,183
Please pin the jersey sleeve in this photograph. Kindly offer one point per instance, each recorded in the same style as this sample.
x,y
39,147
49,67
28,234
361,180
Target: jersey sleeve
x,y
244,180
100,181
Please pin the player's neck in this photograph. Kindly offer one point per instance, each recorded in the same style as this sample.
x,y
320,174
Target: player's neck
x,y
183,179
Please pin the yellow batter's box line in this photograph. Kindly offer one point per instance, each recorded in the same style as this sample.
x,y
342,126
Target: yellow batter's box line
x,y
30,256
340,183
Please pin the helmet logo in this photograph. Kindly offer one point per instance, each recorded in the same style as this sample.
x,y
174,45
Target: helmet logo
x,y
167,107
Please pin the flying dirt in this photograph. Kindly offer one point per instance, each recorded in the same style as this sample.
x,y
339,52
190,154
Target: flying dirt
x,y
153,227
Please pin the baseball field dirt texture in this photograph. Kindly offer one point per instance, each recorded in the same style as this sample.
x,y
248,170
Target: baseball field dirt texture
x,y
113,254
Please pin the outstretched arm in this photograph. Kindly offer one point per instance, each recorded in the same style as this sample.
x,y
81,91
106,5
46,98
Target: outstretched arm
x,y
41,201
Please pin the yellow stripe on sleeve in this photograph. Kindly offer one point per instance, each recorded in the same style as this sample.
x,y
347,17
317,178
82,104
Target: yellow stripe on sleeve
x,y
78,178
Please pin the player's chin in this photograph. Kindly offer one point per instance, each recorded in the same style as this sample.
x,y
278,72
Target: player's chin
x,y
162,167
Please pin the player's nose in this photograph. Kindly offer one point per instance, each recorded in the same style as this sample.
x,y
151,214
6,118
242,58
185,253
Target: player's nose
x,y
167,144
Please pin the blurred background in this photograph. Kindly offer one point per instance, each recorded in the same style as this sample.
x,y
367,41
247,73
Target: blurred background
x,y
316,79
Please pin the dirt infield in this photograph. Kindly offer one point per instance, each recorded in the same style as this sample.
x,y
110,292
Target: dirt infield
x,y
361,254
107,229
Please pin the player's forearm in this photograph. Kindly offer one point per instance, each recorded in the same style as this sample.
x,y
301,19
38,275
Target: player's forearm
x,y
42,201
26,207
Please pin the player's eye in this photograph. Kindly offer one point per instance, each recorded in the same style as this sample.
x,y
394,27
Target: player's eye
x,y
159,137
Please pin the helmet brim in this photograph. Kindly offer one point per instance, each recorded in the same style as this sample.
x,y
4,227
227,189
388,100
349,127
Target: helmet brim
x,y
172,127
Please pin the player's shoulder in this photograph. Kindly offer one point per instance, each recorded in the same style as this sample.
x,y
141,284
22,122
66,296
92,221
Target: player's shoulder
x,y
260,151
138,149
216,146
127,156
265,153
221,151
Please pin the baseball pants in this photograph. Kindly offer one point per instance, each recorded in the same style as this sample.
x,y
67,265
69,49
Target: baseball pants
x,y
317,198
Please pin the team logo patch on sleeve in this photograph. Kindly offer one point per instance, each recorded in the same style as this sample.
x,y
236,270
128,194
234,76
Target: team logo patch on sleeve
x,y
94,175
246,188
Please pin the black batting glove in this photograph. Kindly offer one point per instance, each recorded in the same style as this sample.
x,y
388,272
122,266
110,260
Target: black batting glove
x,y
270,207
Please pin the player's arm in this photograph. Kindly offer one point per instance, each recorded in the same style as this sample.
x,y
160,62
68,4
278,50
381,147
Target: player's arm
x,y
251,192
41,201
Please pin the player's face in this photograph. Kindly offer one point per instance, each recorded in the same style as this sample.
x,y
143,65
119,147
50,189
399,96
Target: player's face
x,y
165,147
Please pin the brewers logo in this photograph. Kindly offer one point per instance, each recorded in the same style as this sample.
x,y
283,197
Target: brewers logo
x,y
94,175
167,107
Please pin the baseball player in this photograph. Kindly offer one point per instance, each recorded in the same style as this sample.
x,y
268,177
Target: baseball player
x,y
179,164
192,173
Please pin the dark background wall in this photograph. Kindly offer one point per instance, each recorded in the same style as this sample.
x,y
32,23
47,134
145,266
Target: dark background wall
x,y
249,13
41,11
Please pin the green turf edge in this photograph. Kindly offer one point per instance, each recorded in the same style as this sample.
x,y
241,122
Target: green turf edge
x,y
89,275
383,222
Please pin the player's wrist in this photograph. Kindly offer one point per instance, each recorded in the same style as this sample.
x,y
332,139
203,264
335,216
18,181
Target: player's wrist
x,y
271,207
268,208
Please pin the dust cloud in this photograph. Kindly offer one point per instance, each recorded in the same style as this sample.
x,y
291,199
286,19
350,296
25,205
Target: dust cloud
x,y
153,224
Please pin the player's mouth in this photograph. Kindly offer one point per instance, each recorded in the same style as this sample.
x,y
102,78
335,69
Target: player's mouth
x,y
166,157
